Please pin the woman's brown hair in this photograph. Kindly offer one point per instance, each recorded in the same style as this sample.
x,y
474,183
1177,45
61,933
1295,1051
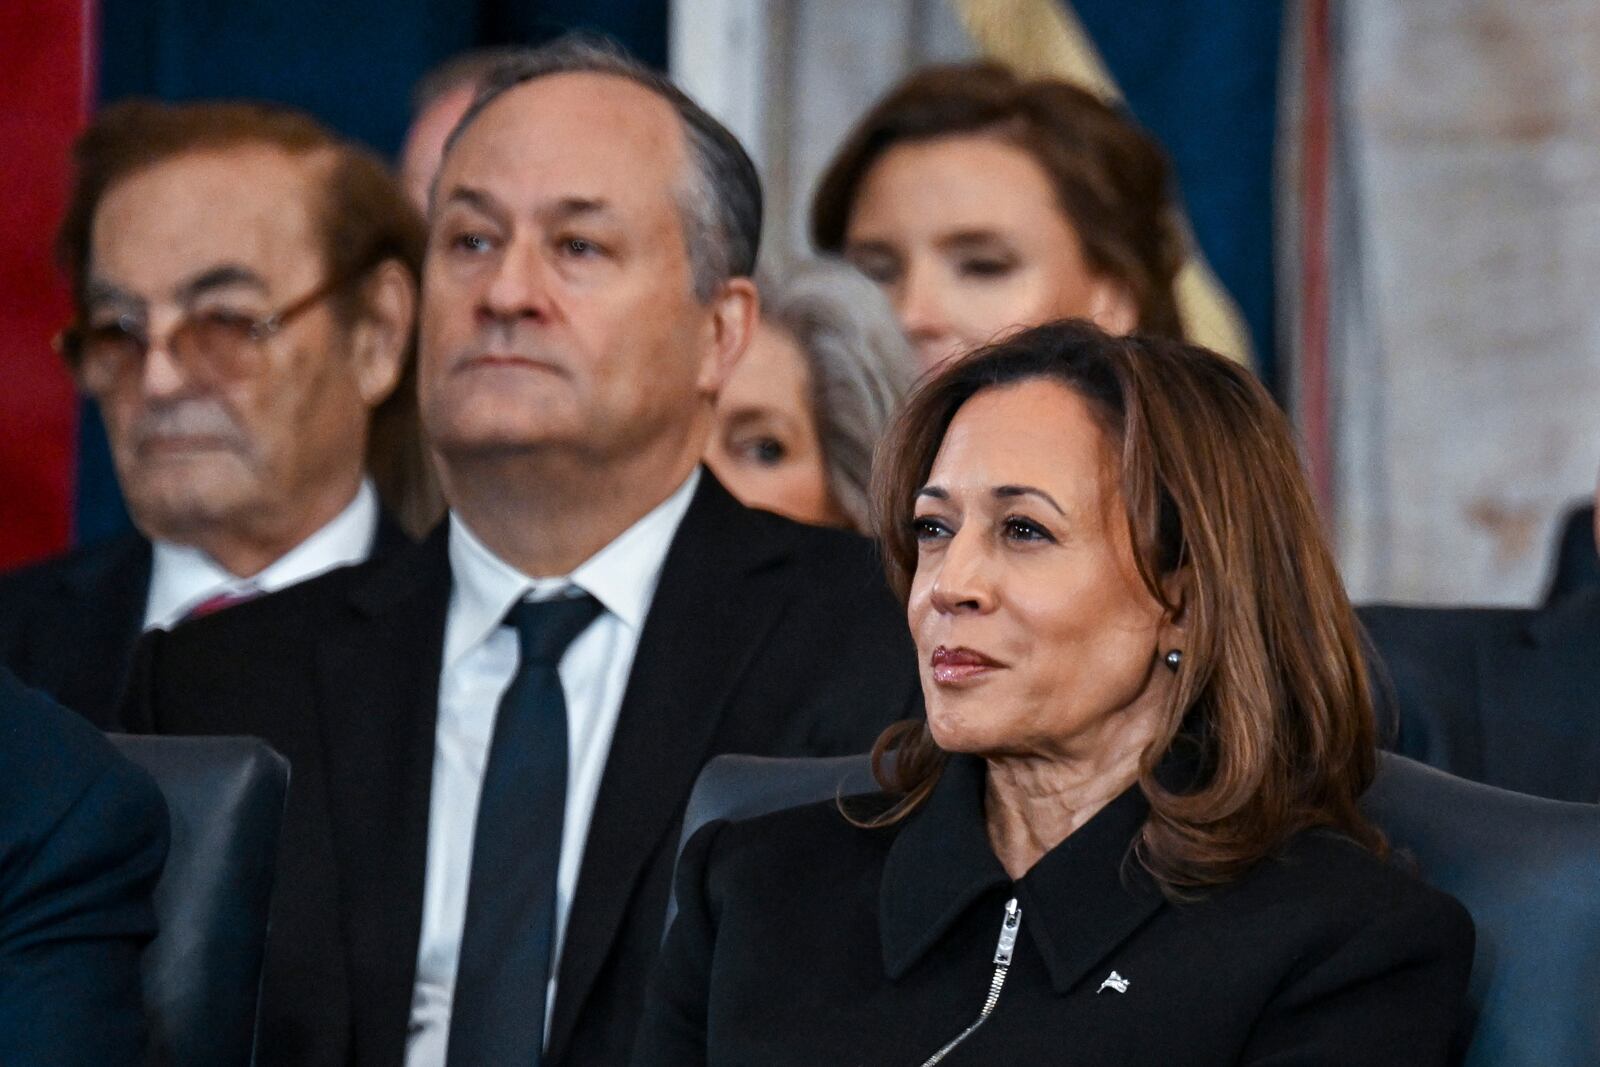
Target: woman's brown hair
x,y
1271,696
1111,179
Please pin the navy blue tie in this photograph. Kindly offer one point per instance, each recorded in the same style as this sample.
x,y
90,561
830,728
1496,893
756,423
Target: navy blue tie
x,y
508,941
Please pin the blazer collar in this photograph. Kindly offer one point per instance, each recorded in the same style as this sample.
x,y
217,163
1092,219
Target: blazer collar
x,y
377,662
720,594
1080,901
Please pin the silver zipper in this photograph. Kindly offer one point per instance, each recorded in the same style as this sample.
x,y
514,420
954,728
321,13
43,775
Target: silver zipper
x,y
1002,963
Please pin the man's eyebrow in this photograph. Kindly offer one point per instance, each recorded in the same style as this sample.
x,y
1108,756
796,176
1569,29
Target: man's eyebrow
x,y
476,199
571,207
100,291
225,276
1006,491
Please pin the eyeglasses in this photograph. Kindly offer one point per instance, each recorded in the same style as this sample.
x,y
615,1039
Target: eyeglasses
x,y
216,345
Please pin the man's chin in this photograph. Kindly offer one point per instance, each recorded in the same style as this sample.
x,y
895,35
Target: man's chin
x,y
176,509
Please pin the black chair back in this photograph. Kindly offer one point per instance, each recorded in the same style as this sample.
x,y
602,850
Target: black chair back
x,y
1528,870
202,973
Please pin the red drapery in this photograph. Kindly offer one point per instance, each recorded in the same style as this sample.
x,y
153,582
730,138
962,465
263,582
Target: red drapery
x,y
44,50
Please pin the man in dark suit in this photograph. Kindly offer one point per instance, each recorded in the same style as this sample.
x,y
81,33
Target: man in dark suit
x,y
244,288
1577,559
1507,696
493,735
83,836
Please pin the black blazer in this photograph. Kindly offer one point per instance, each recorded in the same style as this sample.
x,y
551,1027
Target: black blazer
x,y
765,636
69,624
1577,560
1507,696
805,940
83,836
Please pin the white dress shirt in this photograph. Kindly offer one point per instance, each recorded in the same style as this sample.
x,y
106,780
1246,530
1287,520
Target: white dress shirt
x,y
182,576
480,658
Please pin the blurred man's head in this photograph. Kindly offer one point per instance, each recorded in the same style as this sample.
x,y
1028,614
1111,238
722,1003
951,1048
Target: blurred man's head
x,y
244,285
587,284
437,104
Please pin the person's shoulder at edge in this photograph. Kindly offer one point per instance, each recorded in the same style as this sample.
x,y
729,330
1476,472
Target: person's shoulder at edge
x,y
84,842
49,756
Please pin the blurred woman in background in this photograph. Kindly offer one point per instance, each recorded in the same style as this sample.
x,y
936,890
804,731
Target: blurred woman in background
x,y
798,418
981,202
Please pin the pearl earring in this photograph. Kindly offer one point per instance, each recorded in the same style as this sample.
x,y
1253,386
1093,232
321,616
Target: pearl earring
x,y
1173,659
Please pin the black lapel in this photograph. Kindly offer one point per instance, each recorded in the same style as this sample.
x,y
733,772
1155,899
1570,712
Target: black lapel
x,y
704,626
378,691
84,648
1540,706
1079,902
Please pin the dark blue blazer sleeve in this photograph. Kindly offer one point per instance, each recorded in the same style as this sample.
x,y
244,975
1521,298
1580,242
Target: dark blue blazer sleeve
x,y
83,837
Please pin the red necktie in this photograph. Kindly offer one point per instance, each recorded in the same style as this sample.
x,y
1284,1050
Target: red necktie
x,y
213,604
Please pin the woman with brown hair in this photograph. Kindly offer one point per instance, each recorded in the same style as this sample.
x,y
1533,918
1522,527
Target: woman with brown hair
x,y
1130,819
982,202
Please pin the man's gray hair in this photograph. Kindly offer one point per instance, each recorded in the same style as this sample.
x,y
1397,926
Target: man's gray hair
x,y
720,203
860,367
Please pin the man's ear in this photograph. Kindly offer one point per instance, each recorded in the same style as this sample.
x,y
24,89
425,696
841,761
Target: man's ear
x,y
735,310
381,337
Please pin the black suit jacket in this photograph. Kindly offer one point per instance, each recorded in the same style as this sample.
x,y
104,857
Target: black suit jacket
x,y
69,624
1506,696
83,836
1577,560
805,940
764,636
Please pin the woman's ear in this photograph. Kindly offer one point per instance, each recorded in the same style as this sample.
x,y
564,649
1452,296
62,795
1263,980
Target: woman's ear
x,y
1175,589
1112,307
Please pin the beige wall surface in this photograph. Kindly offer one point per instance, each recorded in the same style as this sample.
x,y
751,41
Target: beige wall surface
x,y
1467,345
1465,352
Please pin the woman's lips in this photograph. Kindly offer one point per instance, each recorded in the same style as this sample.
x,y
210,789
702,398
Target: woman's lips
x,y
952,666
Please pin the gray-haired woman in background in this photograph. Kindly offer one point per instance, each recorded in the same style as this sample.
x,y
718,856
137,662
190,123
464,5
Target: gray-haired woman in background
x,y
798,418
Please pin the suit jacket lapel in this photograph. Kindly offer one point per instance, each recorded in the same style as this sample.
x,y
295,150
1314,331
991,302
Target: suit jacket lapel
x,y
378,685
1541,702
97,622
703,628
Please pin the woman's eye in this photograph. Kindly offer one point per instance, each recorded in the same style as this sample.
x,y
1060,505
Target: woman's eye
x,y
1020,529
767,451
882,271
986,268
926,528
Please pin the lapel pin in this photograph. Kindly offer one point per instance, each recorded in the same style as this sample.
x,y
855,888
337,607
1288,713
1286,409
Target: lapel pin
x,y
1114,981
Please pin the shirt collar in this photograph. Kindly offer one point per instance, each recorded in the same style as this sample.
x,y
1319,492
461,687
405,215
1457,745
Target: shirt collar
x,y
1081,900
622,576
182,576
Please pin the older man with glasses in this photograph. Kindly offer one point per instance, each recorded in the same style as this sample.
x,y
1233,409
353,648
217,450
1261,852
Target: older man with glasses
x,y
244,286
